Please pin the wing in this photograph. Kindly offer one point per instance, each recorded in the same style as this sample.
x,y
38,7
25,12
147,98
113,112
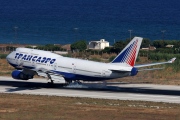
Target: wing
x,y
152,64
150,69
49,74
158,63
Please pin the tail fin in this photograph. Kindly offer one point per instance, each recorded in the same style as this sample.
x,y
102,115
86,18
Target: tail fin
x,y
129,53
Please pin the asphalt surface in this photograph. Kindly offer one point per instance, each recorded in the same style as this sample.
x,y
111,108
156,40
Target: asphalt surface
x,y
110,90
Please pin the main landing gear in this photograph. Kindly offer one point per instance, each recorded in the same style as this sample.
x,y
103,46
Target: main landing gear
x,y
78,82
50,81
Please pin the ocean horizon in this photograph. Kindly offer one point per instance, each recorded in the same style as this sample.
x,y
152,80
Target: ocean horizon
x,y
65,22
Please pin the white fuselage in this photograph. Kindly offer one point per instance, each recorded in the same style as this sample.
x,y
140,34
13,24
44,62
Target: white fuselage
x,y
69,68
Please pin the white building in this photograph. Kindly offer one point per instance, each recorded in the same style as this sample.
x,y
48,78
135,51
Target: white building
x,y
98,44
169,46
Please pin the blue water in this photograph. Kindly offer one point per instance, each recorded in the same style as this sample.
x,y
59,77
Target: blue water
x,y
66,21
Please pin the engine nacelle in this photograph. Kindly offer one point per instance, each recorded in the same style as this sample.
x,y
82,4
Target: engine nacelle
x,y
134,71
16,74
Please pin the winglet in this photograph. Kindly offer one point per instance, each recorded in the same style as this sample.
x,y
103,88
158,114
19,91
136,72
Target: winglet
x,y
129,54
172,60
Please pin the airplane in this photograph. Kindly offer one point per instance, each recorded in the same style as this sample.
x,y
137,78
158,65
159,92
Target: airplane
x,y
56,68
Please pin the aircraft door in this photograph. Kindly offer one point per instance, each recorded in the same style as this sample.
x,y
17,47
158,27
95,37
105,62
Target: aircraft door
x,y
33,60
55,66
104,73
18,62
33,63
73,68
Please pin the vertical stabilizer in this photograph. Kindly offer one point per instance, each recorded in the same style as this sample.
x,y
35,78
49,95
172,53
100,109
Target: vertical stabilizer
x,y
129,53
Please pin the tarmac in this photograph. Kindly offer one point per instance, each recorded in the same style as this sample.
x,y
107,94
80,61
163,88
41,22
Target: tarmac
x,y
110,90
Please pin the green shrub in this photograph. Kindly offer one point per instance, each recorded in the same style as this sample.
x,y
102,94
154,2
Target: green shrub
x,y
112,58
3,56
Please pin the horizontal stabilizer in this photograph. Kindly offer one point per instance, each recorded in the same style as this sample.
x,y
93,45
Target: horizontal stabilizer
x,y
152,64
172,60
120,71
150,69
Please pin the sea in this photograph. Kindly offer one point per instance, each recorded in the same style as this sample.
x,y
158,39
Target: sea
x,y
67,21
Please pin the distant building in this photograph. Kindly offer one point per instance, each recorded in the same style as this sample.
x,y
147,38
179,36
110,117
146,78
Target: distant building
x,y
10,47
61,52
149,48
66,47
98,45
33,46
169,46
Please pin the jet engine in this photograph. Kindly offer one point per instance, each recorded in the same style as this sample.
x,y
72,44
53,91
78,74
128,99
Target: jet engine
x,y
16,74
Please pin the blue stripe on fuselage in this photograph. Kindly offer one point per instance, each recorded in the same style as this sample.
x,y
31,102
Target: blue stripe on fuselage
x,y
72,76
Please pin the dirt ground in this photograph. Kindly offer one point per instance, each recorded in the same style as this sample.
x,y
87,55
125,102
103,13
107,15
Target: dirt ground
x,y
29,107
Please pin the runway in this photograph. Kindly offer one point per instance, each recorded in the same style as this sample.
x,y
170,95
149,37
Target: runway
x,y
112,90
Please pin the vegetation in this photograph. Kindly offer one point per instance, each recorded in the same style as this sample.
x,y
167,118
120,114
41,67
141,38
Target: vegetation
x,y
79,45
10,48
146,43
3,56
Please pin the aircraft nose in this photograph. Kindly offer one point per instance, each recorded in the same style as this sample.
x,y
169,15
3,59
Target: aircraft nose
x,y
8,57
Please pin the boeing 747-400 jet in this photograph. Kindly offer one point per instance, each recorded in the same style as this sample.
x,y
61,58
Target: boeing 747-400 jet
x,y
30,62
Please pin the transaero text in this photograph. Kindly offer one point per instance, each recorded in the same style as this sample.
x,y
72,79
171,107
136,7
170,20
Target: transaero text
x,y
34,58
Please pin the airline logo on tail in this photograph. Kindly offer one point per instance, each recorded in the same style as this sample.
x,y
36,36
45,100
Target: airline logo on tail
x,y
129,53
